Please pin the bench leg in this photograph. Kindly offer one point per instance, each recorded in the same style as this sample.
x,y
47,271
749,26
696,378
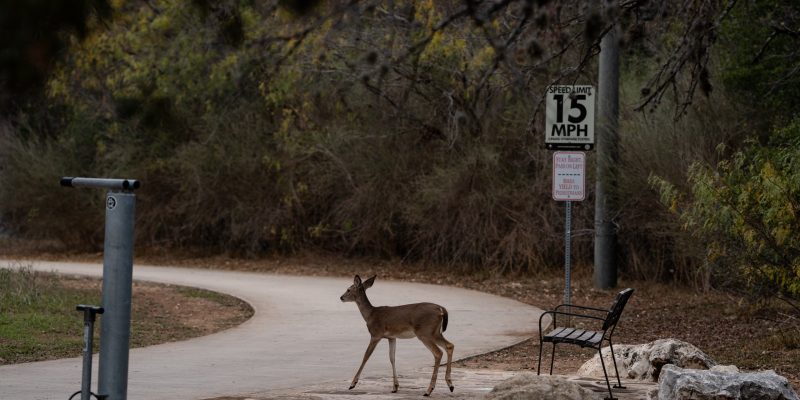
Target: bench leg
x,y
614,359
608,384
539,368
552,359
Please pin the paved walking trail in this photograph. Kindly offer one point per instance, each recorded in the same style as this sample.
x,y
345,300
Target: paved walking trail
x,y
300,336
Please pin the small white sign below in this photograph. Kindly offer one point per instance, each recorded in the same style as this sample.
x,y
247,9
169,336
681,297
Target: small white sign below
x,y
569,172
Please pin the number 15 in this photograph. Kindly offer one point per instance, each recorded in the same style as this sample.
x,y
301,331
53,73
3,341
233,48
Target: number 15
x,y
574,104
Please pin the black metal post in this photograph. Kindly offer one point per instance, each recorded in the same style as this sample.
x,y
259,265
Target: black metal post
x,y
89,313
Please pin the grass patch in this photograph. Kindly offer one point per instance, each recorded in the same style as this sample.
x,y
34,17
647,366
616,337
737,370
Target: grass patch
x,y
38,320
219,298
37,316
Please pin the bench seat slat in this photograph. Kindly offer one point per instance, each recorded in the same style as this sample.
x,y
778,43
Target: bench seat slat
x,y
591,339
575,336
559,333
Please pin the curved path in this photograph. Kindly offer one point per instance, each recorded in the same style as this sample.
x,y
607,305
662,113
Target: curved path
x,y
301,334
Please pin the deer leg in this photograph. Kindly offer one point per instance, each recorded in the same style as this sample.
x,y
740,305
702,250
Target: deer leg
x,y
372,343
392,345
441,341
437,359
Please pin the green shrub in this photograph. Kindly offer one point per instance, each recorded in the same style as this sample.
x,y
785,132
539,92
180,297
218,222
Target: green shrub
x,y
745,212
653,244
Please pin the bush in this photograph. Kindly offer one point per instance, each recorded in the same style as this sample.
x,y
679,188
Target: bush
x,y
32,204
652,242
745,212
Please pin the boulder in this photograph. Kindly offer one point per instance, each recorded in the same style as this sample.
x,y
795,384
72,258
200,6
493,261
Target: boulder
x,y
686,384
644,362
725,368
527,385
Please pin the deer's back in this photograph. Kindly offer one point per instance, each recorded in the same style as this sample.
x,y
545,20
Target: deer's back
x,y
406,321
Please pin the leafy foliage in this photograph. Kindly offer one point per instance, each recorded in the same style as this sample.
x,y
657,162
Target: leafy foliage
x,y
33,33
761,40
652,241
746,212
362,137
399,129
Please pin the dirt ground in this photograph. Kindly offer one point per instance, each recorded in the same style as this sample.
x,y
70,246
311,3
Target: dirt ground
x,y
167,313
720,324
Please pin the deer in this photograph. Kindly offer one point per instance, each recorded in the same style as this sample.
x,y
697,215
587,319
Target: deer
x,y
425,321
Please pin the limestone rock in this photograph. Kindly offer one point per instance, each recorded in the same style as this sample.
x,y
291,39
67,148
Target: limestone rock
x,y
527,385
685,384
644,362
725,368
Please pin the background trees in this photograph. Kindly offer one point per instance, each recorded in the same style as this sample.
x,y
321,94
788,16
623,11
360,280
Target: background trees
x,y
393,129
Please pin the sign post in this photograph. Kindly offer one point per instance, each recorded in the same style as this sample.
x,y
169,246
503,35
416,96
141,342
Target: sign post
x,y
569,184
569,125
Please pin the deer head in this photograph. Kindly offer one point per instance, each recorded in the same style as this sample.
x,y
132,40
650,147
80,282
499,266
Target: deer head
x,y
357,288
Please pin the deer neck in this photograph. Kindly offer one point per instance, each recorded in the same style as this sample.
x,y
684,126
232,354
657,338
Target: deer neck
x,y
364,305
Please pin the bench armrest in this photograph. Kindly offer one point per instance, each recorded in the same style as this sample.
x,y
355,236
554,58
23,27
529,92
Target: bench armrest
x,y
554,313
581,307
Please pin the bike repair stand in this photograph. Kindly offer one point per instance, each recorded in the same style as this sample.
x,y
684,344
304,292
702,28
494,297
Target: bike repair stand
x,y
89,314
115,332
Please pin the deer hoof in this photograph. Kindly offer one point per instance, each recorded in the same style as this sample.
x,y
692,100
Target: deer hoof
x,y
426,394
351,387
452,388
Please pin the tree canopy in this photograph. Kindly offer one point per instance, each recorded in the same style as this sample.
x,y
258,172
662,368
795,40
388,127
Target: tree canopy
x,y
399,129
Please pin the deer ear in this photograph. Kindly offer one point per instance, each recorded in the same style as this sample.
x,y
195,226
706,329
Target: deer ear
x,y
368,283
357,280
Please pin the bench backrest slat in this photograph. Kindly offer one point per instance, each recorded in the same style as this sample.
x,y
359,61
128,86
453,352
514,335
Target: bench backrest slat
x,y
616,309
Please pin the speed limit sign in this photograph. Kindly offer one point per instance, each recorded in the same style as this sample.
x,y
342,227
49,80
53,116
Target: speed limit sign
x,y
569,117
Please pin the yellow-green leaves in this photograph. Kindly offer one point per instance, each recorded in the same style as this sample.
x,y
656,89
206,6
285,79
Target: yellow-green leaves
x,y
744,210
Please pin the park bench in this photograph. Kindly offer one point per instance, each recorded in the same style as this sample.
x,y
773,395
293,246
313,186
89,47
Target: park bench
x,y
583,337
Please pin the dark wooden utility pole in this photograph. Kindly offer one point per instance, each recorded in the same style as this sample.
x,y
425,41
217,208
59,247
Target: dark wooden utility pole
x,y
605,230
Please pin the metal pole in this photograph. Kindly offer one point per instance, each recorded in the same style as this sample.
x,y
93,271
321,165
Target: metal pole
x,y
86,378
568,253
605,240
117,284
89,313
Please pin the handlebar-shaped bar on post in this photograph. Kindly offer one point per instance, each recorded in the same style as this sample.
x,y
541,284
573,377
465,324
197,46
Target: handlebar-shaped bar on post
x,y
113,184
